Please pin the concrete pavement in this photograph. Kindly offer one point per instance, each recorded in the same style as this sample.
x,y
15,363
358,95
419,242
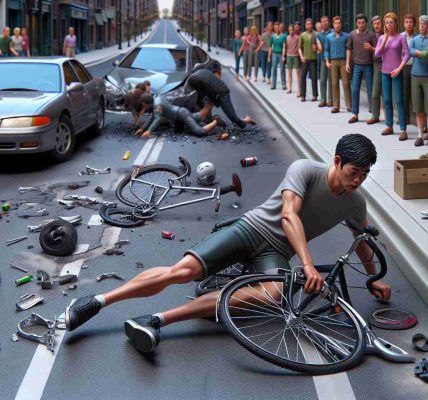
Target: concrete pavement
x,y
315,133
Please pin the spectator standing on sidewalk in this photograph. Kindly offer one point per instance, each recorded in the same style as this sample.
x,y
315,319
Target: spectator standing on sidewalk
x,y
15,46
236,45
325,73
293,58
69,46
419,50
335,59
253,58
245,51
264,53
318,29
25,42
409,22
277,55
5,42
308,55
395,54
377,73
360,43
297,28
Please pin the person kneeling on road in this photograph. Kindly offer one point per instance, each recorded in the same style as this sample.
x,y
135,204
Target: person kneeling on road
x,y
207,82
313,198
131,100
161,108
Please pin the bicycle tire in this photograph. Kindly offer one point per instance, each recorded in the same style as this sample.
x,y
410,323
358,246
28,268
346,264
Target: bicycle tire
x,y
123,192
247,343
121,217
58,238
215,282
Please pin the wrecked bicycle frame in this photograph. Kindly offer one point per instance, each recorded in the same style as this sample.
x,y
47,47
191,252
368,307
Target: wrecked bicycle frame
x,y
272,316
146,188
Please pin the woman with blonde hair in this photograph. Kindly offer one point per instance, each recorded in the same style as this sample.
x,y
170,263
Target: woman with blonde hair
x,y
253,59
15,46
393,49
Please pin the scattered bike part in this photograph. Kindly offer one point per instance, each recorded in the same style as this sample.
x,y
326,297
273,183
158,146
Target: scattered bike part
x,y
94,171
28,301
14,337
139,264
16,240
249,161
58,238
122,242
236,186
392,319
126,155
107,275
121,217
70,278
72,287
205,173
64,293
23,189
99,190
47,338
23,280
44,279
425,212
18,268
87,199
168,235
420,342
421,369
74,220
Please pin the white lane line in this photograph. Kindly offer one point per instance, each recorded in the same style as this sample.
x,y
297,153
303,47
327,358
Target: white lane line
x,y
95,220
164,33
153,145
153,156
81,248
334,387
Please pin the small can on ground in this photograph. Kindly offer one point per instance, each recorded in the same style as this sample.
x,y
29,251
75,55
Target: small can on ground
x,y
126,155
24,279
99,189
6,207
167,235
249,161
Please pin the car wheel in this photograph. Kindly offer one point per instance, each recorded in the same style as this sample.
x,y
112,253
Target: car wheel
x,y
65,140
97,128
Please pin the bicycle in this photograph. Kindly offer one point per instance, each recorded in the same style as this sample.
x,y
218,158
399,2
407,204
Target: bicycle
x,y
145,189
273,318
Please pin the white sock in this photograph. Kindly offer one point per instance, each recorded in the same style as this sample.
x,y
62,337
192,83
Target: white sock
x,y
101,300
161,317
420,132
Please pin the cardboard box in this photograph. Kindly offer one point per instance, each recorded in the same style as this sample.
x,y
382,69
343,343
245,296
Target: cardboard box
x,y
411,179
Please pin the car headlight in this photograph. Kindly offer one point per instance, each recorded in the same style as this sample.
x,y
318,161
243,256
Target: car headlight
x,y
24,122
113,89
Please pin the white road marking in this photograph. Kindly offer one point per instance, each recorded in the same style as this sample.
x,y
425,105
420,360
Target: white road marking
x,y
153,145
164,33
153,156
334,387
95,220
81,248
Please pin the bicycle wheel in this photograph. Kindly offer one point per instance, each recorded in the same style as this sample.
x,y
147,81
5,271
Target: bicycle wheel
x,y
324,339
157,174
219,280
122,217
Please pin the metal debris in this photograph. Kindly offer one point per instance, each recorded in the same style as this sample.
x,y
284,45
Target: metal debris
x,y
16,240
107,275
14,337
69,278
94,171
28,301
18,268
74,219
23,189
140,264
72,200
32,210
84,266
44,279
47,338
69,185
99,189
235,205
64,293
72,287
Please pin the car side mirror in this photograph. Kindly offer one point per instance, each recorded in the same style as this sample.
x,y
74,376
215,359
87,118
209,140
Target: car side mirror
x,y
75,87
115,63
197,66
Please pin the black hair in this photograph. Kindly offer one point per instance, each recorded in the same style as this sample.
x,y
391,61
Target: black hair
x,y
142,85
144,99
360,16
214,66
356,149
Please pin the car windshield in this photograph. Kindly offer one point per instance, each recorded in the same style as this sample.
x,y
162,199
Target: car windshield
x,y
40,77
153,59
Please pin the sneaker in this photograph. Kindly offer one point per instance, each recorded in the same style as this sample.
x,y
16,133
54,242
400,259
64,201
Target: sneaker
x,y
81,310
143,332
419,142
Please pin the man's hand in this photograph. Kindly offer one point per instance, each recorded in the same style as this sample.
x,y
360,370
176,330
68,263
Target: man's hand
x,y
303,59
348,68
381,291
314,281
368,46
417,53
146,134
329,65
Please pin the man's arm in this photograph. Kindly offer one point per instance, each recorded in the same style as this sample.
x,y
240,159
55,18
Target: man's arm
x,y
293,228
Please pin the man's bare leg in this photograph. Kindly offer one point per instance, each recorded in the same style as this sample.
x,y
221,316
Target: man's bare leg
x,y
209,127
206,110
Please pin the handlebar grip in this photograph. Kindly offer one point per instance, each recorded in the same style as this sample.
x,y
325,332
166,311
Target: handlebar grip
x,y
354,226
382,261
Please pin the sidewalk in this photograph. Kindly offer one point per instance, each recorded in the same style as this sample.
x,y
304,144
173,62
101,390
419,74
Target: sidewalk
x,y
99,56
315,132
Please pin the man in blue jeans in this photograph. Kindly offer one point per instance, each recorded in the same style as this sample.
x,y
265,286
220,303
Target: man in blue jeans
x,y
360,43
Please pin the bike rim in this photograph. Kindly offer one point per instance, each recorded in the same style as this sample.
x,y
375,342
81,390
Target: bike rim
x,y
122,217
321,336
63,138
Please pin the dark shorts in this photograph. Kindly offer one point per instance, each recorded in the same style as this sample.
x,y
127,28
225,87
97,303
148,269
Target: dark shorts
x,y
237,242
293,62
419,87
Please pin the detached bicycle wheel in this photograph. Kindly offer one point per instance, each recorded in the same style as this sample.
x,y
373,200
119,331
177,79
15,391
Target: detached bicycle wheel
x,y
323,339
219,280
134,193
122,217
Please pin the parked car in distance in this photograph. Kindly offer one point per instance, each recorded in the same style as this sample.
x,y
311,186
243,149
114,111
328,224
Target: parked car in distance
x,y
45,102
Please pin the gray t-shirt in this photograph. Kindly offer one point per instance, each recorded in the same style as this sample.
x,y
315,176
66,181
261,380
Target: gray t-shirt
x,y
320,210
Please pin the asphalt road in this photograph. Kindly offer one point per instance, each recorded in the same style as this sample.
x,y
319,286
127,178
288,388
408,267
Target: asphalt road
x,y
195,359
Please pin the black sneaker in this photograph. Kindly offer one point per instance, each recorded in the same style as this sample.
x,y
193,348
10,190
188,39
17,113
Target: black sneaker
x,y
143,332
80,311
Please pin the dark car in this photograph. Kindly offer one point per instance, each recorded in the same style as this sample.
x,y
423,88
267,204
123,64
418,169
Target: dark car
x,y
45,102
166,66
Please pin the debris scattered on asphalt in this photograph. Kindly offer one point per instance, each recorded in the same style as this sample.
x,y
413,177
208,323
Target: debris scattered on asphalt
x,y
14,337
69,185
71,201
94,171
99,189
64,293
23,280
69,278
18,268
122,242
23,189
126,155
32,210
168,235
199,218
108,275
6,206
60,322
191,297
420,342
249,161
47,338
58,238
140,264
117,248
74,220
421,369
236,205
223,136
84,266
72,287
30,246
43,279
182,240
16,240
28,301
